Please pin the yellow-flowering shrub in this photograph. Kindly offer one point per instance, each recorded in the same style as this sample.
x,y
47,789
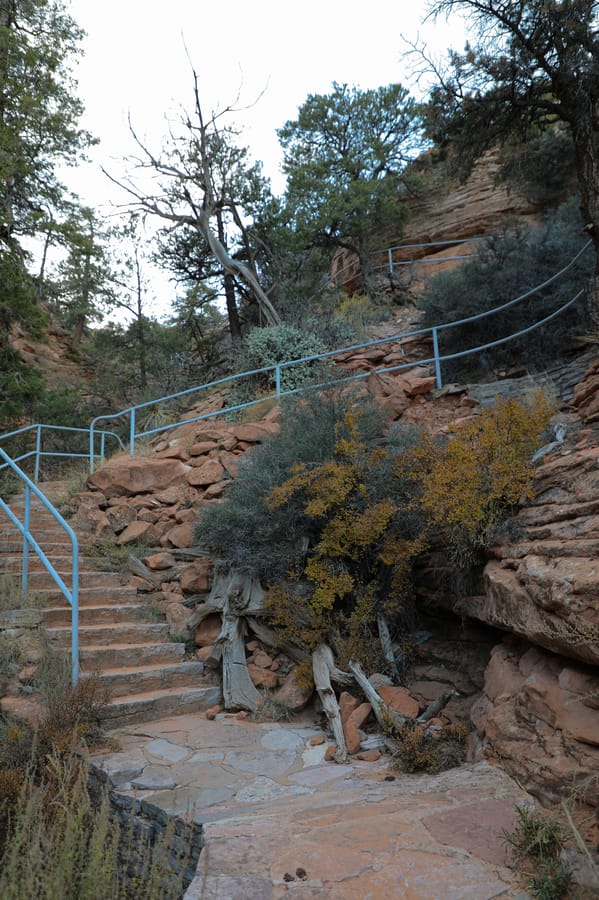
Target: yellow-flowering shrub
x,y
350,563
468,487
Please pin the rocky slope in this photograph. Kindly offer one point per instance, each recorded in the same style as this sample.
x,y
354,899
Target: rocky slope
x,y
526,675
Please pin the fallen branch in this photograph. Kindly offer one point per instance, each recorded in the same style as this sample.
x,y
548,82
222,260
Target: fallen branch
x,y
435,707
385,715
323,665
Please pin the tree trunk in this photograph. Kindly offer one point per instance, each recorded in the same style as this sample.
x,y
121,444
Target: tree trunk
x,y
229,285
587,169
368,277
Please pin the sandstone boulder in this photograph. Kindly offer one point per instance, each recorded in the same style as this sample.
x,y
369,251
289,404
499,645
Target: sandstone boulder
x,y
137,475
538,718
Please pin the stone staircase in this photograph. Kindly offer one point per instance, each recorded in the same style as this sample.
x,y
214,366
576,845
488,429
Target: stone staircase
x,y
120,639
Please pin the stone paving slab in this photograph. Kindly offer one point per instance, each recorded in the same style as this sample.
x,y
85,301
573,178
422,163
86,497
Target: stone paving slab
x,y
278,820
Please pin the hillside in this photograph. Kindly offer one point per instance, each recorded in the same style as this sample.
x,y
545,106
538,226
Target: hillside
x,y
512,653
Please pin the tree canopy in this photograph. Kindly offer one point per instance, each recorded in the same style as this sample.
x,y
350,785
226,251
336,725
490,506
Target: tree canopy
x,y
534,63
345,158
39,130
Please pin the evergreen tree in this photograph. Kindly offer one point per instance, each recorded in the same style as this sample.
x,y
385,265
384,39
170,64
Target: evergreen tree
x,y
345,159
535,63
39,130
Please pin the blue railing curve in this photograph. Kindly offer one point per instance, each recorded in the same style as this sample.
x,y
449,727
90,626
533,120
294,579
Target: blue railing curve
x,y
29,542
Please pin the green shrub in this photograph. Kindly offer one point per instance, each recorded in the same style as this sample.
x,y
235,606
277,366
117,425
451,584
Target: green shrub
x,y
537,841
317,513
10,656
281,343
506,267
545,170
242,531
64,842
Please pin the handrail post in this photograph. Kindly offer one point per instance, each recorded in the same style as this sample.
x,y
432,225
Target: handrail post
x,y
91,447
75,614
38,447
132,431
437,359
278,379
390,257
26,526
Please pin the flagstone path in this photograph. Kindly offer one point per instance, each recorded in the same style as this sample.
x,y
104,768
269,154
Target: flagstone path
x,y
280,821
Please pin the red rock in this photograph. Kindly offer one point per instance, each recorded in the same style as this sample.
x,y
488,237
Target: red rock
x,y
204,653
291,694
202,447
369,755
253,433
317,740
262,659
196,578
330,753
159,561
185,515
213,711
215,490
181,536
418,386
135,475
399,699
208,630
143,532
206,433
263,677
347,704
148,515
350,727
173,453
210,472
168,497
229,462
242,714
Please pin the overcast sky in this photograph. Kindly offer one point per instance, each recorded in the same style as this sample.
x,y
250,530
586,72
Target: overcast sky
x,y
135,64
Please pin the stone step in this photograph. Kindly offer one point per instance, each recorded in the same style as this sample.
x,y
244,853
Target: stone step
x,y
95,615
14,545
145,679
135,708
62,562
43,581
92,635
100,657
93,596
43,536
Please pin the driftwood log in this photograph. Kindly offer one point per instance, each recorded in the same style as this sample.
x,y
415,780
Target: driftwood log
x,y
324,669
384,714
239,598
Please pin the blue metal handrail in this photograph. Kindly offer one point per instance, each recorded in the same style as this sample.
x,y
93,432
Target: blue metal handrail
x,y
436,359
38,452
353,268
276,371
24,528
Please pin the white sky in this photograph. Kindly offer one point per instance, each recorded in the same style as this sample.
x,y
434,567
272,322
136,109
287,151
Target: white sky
x,y
135,64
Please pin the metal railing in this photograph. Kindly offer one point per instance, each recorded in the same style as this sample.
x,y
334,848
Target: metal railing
x,y
390,263
275,373
30,543
38,453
